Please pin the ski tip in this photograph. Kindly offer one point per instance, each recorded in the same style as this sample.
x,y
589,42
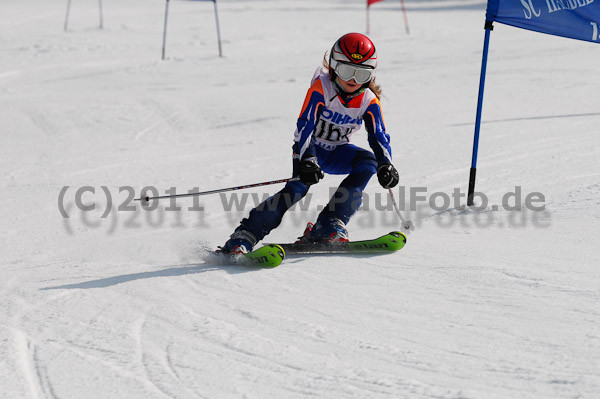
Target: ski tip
x,y
268,256
279,252
278,249
401,239
399,234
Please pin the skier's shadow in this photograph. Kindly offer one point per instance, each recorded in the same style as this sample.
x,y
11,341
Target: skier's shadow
x,y
181,270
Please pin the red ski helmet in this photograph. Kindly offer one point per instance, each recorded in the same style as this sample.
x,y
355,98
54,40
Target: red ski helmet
x,y
354,48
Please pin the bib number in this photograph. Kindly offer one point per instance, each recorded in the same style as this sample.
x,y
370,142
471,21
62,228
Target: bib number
x,y
333,133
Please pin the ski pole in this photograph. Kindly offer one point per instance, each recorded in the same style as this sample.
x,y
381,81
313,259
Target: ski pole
x,y
145,198
407,224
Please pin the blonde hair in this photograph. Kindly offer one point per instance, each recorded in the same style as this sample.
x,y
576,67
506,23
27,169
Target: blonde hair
x,y
375,88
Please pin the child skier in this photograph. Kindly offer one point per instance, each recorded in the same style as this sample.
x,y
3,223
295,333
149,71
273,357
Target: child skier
x,y
342,95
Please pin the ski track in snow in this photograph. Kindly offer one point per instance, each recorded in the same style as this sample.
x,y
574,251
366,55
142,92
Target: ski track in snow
x,y
24,352
27,351
487,303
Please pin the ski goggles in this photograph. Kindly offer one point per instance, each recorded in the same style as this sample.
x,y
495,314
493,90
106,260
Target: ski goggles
x,y
346,72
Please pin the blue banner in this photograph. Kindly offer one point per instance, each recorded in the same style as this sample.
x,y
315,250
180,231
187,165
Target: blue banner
x,y
576,19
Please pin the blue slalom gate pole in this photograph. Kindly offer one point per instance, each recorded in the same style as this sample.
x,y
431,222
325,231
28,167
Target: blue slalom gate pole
x,y
486,43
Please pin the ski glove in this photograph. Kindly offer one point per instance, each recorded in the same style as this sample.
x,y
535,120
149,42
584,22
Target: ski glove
x,y
310,171
387,175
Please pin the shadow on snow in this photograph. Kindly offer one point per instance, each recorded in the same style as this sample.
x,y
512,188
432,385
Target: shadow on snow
x,y
169,272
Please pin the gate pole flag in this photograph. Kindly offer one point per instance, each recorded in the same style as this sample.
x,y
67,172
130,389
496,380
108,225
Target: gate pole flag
x,y
164,47
369,2
575,19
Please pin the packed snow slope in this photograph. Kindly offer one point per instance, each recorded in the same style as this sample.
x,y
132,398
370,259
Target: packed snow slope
x,y
118,302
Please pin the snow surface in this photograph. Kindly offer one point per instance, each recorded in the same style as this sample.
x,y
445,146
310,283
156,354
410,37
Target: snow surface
x,y
479,304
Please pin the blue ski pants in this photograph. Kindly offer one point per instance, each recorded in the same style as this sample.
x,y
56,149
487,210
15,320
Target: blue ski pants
x,y
358,163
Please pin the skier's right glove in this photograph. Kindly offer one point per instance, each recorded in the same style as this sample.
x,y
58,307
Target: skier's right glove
x,y
310,172
387,175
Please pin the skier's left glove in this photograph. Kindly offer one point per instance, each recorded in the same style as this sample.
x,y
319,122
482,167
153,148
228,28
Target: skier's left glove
x,y
387,175
310,172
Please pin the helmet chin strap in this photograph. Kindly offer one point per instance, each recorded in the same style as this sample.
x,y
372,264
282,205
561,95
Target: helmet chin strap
x,y
345,96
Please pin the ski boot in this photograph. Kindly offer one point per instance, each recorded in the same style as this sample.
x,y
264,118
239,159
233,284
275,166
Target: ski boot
x,y
330,230
304,237
240,242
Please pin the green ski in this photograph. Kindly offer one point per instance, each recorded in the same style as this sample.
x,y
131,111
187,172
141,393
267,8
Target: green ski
x,y
390,242
269,255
